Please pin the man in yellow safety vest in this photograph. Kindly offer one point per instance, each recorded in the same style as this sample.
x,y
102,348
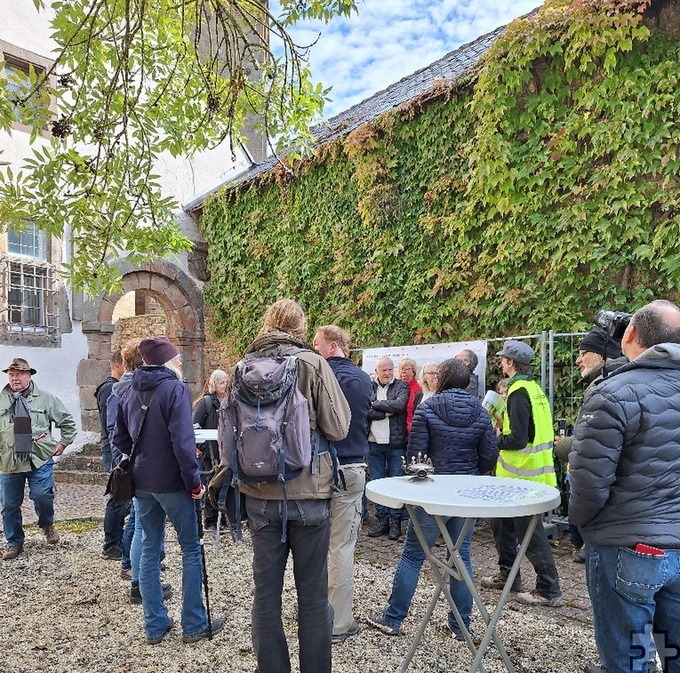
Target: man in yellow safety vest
x,y
526,445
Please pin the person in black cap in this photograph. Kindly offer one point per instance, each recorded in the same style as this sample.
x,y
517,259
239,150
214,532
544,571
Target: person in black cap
x,y
592,351
154,418
526,452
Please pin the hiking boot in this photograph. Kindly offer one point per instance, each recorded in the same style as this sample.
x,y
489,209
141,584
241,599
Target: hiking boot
x,y
594,668
378,620
12,552
216,626
126,574
534,598
112,554
337,638
498,582
380,528
579,555
395,529
51,535
136,596
158,639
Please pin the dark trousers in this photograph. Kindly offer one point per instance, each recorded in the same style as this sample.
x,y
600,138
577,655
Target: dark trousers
x,y
308,537
114,518
508,533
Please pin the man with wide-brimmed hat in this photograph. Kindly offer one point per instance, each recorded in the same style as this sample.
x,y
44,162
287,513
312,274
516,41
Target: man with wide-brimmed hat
x,y
27,446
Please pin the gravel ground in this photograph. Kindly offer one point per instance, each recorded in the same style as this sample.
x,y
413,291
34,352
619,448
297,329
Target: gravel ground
x,y
65,609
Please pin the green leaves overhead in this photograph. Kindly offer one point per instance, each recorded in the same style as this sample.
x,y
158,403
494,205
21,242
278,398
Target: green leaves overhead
x,y
136,82
526,197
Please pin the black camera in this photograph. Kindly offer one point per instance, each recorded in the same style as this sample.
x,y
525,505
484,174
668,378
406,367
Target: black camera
x,y
615,322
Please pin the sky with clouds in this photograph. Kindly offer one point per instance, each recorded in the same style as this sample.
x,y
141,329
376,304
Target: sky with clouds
x,y
389,39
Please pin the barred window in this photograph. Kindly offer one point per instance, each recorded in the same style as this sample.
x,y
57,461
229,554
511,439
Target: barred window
x,y
28,290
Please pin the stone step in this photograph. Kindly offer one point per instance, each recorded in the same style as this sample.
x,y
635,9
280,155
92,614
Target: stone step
x,y
80,461
62,476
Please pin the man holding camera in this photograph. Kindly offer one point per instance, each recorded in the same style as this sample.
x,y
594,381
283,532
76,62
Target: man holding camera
x,y
625,471
595,347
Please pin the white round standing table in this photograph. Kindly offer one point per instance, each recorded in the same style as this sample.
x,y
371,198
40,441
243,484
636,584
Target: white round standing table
x,y
469,497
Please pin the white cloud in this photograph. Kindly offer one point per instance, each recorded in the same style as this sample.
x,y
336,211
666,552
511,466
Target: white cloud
x,y
390,39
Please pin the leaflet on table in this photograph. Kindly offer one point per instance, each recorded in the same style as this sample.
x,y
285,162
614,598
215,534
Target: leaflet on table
x,y
499,493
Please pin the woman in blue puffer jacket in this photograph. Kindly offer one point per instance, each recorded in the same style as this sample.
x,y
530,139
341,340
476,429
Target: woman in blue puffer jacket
x,y
455,431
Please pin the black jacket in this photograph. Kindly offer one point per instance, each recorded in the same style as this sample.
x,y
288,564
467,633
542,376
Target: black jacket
x,y
625,460
455,431
395,404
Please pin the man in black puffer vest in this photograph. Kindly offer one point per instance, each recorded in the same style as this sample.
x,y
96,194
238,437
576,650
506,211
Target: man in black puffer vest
x,y
625,498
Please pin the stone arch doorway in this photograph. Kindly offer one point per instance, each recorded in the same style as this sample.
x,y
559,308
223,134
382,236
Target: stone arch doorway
x,y
182,303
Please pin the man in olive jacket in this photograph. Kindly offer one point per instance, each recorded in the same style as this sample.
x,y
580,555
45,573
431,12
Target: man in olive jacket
x,y
27,414
625,471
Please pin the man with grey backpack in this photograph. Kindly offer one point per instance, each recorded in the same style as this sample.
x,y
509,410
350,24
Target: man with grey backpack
x,y
288,505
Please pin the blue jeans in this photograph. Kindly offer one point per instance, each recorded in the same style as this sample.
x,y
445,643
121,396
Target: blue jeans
x,y
40,491
384,460
507,534
411,561
308,537
634,596
152,509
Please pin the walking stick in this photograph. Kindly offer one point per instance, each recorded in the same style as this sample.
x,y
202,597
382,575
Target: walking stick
x,y
205,570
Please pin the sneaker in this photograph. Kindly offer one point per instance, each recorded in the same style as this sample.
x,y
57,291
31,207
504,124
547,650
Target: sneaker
x,y
155,641
476,638
395,529
378,620
126,574
579,555
12,552
498,582
342,637
51,535
136,596
534,598
112,554
380,528
216,626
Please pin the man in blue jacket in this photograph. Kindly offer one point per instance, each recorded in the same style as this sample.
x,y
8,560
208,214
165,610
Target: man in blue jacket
x,y
625,499
167,483
332,343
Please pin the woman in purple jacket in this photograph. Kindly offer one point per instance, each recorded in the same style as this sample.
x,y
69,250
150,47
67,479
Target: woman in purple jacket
x,y
453,429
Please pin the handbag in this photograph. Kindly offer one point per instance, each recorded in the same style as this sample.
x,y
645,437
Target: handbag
x,y
119,485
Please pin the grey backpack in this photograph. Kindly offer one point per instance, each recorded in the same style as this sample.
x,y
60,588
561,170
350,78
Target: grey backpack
x,y
266,421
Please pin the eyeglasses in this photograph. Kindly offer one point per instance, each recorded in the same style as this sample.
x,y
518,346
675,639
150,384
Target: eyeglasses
x,y
432,374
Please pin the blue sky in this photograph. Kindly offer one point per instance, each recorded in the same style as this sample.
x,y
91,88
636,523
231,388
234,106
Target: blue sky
x,y
390,39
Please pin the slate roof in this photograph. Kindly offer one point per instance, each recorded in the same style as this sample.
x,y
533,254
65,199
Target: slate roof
x,y
450,67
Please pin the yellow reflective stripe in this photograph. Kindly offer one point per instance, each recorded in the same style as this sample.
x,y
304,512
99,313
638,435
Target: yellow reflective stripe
x,y
524,472
546,446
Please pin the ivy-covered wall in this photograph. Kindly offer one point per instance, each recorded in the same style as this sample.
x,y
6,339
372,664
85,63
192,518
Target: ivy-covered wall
x,y
543,187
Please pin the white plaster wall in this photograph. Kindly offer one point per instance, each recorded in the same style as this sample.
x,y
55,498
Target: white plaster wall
x,y
56,373
22,24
